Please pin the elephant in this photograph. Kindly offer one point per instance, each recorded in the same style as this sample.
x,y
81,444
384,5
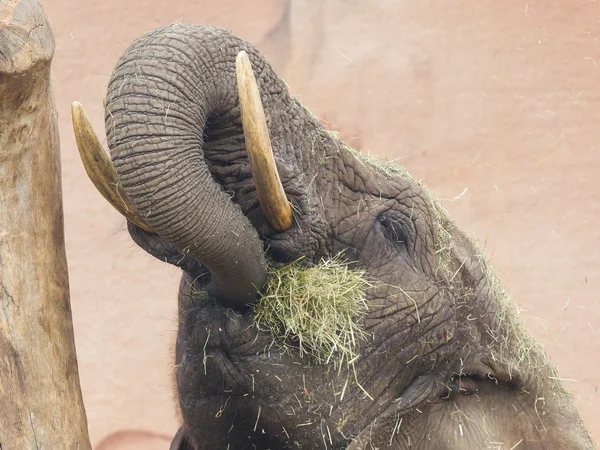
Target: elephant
x,y
220,171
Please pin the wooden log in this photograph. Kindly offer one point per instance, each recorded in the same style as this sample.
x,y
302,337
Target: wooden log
x,y
40,396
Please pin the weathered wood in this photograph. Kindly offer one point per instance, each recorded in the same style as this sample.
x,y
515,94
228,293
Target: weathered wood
x,y
40,397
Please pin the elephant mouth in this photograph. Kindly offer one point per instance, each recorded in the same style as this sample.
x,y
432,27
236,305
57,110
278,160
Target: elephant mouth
x,y
317,309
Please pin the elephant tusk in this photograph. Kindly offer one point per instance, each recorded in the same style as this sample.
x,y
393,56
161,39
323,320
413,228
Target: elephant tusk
x,y
100,169
272,198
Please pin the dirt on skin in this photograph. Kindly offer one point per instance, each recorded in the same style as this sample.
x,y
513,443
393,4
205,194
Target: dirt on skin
x,y
494,104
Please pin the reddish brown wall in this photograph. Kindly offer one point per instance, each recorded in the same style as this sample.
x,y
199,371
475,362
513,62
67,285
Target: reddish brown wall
x,y
498,98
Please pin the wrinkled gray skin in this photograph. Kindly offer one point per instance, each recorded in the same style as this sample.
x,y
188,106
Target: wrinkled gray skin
x,y
175,136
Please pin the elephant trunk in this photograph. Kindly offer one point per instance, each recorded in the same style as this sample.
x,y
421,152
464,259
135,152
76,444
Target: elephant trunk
x,y
172,112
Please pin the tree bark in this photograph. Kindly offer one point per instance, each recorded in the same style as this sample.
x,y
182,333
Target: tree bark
x,y
40,396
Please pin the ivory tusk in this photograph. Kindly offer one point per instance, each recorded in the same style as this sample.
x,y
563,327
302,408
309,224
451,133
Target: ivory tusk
x,y
100,169
271,195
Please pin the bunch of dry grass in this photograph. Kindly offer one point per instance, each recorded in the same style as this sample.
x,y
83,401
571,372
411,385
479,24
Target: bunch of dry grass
x,y
317,309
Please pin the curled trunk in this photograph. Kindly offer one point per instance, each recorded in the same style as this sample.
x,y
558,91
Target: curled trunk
x,y
166,125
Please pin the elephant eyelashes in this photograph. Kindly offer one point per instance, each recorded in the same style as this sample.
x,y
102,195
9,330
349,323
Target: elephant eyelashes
x,y
393,229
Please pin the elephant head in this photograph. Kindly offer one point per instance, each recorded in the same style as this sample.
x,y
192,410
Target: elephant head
x,y
446,363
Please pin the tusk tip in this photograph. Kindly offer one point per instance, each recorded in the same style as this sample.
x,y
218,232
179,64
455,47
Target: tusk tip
x,y
242,55
78,115
76,107
243,66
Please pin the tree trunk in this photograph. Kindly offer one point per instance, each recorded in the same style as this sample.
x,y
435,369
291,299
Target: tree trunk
x,y
40,396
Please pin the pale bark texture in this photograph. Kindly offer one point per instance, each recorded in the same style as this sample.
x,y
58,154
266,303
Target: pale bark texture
x,y
40,396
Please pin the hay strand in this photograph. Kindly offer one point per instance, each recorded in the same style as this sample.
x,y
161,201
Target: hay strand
x,y
316,309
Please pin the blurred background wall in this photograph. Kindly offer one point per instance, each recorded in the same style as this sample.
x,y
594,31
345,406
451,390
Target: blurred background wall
x,y
497,101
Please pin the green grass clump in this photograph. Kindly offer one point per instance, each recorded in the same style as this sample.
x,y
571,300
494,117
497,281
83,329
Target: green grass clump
x,y
316,309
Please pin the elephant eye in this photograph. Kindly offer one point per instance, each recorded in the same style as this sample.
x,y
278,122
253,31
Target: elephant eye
x,y
393,229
